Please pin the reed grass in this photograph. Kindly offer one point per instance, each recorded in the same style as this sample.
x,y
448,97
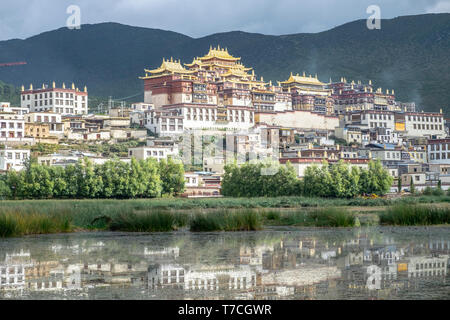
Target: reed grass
x,y
148,215
13,224
226,220
411,215
325,217
151,221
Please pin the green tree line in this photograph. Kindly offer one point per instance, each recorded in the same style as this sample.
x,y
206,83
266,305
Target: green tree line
x,y
334,181
113,179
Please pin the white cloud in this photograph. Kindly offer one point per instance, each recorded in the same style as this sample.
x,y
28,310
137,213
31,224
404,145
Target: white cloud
x,y
440,7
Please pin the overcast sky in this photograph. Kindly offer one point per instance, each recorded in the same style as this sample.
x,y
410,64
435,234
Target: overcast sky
x,y
197,18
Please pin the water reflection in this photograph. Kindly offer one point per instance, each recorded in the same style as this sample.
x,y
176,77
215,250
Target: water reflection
x,y
373,263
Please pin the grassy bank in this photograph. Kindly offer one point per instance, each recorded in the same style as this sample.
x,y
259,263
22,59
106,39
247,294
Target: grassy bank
x,y
218,214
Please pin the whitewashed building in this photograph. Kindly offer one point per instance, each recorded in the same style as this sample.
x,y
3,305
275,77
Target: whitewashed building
x,y
13,159
157,152
58,100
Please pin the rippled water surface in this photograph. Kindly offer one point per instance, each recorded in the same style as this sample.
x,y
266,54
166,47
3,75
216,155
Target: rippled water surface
x,y
279,263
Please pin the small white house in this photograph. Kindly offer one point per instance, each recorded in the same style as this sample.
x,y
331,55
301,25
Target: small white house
x,y
13,159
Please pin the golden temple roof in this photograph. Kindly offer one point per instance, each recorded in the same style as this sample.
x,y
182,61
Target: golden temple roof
x,y
168,67
219,54
236,72
303,80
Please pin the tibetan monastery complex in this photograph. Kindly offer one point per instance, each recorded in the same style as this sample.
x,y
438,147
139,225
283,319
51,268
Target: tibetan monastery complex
x,y
217,91
300,120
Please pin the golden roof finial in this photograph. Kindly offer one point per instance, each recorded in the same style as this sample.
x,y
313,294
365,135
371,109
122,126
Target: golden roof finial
x,y
43,86
31,86
73,86
64,85
53,85
85,89
304,74
218,47
393,91
23,88
171,59
291,73
370,82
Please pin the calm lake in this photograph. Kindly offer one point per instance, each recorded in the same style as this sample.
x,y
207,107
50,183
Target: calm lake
x,y
277,263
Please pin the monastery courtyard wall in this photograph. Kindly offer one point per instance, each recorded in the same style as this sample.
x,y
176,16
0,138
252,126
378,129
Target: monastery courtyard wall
x,y
298,119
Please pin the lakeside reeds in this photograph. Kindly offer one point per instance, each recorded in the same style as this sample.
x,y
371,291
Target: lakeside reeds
x,y
242,220
413,215
17,224
157,221
324,217
19,218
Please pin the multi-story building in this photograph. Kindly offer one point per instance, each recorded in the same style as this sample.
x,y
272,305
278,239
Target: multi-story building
x,y
57,100
157,152
309,94
12,126
52,120
438,150
422,124
13,158
370,119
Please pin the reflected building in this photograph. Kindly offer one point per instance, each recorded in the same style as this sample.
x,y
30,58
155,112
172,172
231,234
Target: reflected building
x,y
297,265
